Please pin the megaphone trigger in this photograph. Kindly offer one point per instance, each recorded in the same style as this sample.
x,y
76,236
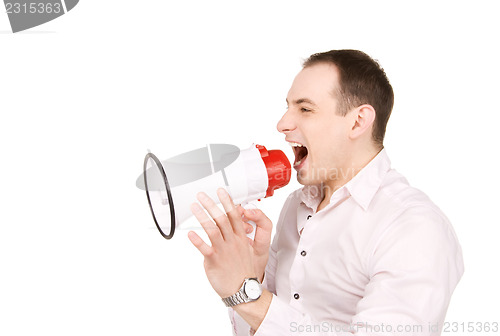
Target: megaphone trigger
x,y
251,235
248,206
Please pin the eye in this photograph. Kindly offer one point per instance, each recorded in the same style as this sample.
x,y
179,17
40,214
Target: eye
x,y
303,109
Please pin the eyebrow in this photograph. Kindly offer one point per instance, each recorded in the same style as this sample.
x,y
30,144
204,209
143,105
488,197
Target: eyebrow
x,y
302,100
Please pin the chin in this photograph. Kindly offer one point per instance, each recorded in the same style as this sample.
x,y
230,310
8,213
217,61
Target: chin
x,y
303,179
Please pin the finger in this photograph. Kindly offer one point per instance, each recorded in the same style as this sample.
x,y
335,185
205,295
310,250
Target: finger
x,y
259,218
208,225
248,228
219,217
232,212
200,244
240,209
250,241
263,229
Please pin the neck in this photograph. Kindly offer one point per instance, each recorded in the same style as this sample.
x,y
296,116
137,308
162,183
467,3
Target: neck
x,y
346,173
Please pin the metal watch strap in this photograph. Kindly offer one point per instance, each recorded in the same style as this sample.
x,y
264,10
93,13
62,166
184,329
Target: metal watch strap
x,y
239,297
235,299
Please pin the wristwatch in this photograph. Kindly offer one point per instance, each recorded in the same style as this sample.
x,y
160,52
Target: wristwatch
x,y
251,290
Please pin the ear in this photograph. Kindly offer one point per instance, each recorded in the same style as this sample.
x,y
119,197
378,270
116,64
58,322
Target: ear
x,y
363,118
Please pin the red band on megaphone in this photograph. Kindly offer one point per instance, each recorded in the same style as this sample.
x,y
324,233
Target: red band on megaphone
x,y
278,168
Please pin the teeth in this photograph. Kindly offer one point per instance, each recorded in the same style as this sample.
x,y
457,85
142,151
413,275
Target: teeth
x,y
298,162
294,144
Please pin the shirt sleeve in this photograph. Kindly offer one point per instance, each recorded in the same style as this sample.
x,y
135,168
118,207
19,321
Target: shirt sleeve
x,y
414,267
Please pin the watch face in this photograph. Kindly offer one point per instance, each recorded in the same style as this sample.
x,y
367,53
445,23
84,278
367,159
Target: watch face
x,y
253,289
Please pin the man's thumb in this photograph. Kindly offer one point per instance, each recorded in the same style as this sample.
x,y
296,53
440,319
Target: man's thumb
x,y
259,218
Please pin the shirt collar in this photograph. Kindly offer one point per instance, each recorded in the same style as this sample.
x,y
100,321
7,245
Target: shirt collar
x,y
361,187
366,183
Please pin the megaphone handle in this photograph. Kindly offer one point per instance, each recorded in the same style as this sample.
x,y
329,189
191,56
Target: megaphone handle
x,y
251,235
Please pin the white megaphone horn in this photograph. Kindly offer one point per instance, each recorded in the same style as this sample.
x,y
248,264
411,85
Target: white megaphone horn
x,y
171,185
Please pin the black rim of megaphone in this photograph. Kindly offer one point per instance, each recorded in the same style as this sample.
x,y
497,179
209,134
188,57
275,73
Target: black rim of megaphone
x,y
169,195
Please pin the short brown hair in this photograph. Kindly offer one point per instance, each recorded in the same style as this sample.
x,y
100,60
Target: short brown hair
x,y
362,81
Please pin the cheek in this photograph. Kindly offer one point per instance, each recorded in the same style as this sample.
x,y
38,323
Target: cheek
x,y
328,141
322,155
327,136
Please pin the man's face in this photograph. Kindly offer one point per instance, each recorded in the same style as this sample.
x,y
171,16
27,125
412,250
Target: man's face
x,y
311,121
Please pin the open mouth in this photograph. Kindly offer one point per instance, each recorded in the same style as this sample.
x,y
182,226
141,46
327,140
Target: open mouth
x,y
300,152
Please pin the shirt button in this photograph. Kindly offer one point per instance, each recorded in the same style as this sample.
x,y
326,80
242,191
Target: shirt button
x,y
296,296
303,253
309,216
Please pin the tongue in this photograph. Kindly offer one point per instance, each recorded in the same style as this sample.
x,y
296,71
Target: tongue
x,y
301,154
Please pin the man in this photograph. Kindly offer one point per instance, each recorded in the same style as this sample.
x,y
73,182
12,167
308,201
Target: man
x,y
357,250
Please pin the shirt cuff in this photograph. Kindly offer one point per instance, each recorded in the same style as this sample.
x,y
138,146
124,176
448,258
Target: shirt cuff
x,y
239,325
278,318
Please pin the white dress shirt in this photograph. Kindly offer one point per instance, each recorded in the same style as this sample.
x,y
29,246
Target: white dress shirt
x,y
379,259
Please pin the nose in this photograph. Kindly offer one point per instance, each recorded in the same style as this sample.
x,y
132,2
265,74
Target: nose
x,y
286,124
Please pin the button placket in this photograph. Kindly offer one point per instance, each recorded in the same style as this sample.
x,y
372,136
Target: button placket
x,y
298,267
300,260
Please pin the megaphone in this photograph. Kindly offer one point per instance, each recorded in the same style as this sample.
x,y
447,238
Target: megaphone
x,y
171,185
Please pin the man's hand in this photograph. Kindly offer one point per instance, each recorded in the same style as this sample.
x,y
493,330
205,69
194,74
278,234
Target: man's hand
x,y
231,258
262,239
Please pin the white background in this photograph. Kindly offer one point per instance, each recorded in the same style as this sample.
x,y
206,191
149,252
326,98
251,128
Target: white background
x,y
83,97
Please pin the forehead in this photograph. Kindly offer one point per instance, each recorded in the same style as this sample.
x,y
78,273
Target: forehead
x,y
316,82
